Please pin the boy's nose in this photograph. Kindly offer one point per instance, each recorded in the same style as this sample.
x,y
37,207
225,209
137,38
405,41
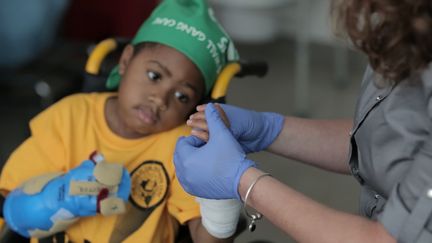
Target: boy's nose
x,y
160,101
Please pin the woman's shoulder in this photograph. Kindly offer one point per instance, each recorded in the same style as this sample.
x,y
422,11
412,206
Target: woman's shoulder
x,y
426,77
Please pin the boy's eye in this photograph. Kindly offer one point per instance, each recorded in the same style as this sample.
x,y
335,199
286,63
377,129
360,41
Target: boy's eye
x,y
181,97
153,75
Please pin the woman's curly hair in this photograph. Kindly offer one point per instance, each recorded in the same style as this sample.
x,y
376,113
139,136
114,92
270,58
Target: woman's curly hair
x,y
396,35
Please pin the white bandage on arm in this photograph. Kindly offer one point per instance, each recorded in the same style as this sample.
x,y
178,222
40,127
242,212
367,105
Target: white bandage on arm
x,y
220,217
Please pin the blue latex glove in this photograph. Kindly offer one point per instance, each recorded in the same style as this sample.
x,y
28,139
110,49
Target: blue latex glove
x,y
213,169
255,131
25,213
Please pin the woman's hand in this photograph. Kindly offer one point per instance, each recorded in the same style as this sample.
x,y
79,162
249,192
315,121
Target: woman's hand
x,y
255,131
213,169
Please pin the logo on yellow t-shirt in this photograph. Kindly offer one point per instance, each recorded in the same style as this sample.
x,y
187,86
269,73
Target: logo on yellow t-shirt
x,y
149,184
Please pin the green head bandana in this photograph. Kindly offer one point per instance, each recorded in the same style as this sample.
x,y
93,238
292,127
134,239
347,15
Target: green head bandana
x,y
190,27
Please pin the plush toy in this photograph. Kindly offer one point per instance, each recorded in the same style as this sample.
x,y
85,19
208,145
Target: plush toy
x,y
50,203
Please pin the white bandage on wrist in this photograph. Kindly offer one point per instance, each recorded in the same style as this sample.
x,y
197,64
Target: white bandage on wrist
x,y
220,217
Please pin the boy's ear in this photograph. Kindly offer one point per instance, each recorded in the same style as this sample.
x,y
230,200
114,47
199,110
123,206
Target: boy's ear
x,y
125,58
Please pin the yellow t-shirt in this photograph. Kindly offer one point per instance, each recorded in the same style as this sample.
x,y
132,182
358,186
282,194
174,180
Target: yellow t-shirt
x,y
66,133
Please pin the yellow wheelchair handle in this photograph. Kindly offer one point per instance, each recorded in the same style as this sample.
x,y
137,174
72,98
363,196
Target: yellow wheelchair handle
x,y
223,80
236,69
100,51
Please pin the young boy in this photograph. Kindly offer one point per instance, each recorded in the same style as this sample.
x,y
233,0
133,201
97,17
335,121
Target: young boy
x,y
170,66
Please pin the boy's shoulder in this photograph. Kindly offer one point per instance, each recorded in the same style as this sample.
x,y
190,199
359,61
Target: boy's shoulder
x,y
83,98
182,130
80,101
71,105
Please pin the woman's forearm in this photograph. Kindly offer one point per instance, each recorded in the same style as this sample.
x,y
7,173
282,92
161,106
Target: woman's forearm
x,y
321,143
304,219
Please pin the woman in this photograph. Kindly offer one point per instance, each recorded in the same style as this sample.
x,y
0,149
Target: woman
x,y
387,146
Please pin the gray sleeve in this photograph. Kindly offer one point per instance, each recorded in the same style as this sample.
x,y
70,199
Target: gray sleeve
x,y
407,214
408,224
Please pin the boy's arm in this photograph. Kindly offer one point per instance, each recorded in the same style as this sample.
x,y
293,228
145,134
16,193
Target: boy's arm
x,y
30,159
218,222
200,234
197,212
45,151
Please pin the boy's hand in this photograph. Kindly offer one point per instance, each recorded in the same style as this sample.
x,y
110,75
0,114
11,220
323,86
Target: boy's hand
x,y
199,124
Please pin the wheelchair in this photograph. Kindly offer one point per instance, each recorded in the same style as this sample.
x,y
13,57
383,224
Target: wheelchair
x,y
102,58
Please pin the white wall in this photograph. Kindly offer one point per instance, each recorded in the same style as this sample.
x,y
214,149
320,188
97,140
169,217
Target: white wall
x,y
248,21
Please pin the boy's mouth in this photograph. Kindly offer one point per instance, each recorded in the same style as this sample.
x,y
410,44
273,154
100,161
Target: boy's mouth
x,y
146,115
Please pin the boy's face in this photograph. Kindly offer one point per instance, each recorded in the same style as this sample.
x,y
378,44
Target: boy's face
x,y
159,89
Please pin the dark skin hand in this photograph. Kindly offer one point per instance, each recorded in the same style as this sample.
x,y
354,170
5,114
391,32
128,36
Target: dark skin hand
x,y
199,124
